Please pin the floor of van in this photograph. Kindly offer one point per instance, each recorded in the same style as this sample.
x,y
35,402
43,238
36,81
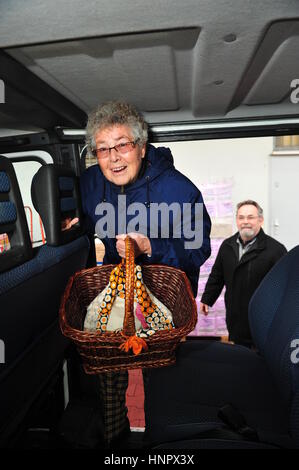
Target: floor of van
x,y
43,438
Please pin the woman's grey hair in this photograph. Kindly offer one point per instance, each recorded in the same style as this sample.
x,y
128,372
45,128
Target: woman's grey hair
x,y
251,203
113,113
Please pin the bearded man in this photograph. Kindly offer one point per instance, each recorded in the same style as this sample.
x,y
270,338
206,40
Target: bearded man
x,y
242,262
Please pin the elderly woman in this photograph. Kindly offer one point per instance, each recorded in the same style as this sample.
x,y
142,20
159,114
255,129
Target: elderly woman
x,y
127,166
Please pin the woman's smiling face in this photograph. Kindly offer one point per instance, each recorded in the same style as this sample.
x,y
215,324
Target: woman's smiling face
x,y
119,168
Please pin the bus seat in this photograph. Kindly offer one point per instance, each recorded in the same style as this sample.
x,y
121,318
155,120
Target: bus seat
x,y
59,185
30,295
220,395
13,225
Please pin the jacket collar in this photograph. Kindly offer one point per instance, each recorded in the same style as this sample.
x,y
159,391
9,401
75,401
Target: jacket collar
x,y
260,239
258,246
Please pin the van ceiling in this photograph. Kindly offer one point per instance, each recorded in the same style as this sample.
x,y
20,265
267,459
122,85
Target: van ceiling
x,y
178,61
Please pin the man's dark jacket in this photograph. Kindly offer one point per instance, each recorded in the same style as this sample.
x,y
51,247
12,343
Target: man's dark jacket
x,y
241,278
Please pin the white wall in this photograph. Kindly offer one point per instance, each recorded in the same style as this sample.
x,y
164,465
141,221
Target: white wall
x,y
245,161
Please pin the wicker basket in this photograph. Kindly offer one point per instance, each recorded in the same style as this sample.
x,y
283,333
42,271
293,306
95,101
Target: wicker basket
x,y
100,352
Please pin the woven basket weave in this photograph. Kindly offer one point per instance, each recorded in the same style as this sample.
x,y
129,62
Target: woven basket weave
x,y
100,351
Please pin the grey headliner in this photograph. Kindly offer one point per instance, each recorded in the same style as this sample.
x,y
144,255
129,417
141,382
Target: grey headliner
x,y
177,60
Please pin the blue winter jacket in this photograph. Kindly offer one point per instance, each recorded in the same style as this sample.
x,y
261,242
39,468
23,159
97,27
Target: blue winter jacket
x,y
158,182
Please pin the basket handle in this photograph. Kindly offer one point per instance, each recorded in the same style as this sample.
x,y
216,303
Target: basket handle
x,y
129,321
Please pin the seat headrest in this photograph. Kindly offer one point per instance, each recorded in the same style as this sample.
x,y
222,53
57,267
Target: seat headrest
x,y
15,240
55,195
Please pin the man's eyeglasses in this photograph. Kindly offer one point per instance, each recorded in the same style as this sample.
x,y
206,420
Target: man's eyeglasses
x,y
250,217
122,148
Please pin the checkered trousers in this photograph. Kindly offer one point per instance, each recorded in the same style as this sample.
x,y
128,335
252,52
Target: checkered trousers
x,y
113,386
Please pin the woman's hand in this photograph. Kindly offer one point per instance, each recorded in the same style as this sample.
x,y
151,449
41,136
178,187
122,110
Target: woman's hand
x,y
204,308
66,224
142,244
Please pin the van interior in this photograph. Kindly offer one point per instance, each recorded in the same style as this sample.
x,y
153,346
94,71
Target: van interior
x,y
218,83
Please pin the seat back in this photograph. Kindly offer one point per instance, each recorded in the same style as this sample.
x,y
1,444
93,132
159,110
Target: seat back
x,y
254,394
13,223
274,322
55,195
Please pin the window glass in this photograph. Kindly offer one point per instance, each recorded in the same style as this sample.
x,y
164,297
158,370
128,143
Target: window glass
x,y
4,242
286,142
25,170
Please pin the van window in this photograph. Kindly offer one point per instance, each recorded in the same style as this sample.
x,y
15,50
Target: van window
x,y
25,170
228,171
26,164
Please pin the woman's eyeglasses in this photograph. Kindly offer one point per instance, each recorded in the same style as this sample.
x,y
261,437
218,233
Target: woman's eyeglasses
x,y
122,149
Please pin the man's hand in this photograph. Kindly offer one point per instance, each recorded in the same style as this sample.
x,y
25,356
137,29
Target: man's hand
x,y
204,308
66,224
142,244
